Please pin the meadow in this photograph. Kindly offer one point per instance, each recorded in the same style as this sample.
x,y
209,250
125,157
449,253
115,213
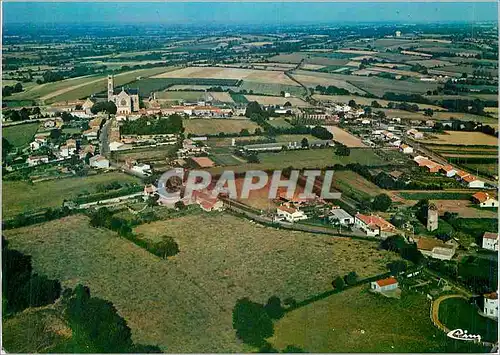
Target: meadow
x,y
22,196
20,135
357,321
364,101
462,138
354,185
184,304
277,100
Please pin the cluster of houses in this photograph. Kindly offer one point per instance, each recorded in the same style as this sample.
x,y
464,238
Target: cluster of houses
x,y
202,198
432,167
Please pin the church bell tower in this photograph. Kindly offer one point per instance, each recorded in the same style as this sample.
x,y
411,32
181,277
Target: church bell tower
x,y
110,87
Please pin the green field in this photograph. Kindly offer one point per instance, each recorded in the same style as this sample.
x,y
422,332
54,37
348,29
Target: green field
x,y
20,135
356,321
149,85
239,98
435,195
21,196
184,304
280,122
355,186
271,89
457,313
181,95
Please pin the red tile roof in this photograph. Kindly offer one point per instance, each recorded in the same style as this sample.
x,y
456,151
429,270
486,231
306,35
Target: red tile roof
x,y
489,235
482,196
203,162
387,282
375,221
491,296
469,178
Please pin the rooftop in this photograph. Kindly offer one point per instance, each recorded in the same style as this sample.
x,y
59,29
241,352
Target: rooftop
x,y
386,282
489,235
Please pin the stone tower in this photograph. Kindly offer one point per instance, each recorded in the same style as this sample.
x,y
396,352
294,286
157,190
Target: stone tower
x,y
110,88
432,217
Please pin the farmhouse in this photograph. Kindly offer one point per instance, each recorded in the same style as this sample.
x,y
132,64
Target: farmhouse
x,y
384,285
461,174
68,149
290,214
491,305
143,169
115,145
435,248
473,182
338,215
36,160
490,241
207,201
99,162
415,134
483,199
91,133
406,149
449,170
374,225
37,143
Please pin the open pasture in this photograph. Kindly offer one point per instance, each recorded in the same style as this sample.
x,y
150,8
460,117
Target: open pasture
x,y
277,100
20,135
345,137
263,76
365,101
21,196
462,138
310,80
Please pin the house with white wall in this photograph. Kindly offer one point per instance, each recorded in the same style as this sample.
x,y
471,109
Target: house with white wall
x,y
484,199
374,225
290,214
490,308
490,241
384,285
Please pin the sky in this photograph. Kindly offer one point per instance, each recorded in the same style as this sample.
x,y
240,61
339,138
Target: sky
x,y
245,12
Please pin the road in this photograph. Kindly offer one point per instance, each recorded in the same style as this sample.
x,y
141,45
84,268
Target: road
x,y
104,138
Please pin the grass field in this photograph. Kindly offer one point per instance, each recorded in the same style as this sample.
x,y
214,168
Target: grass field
x,y
279,122
261,76
277,100
356,321
457,313
20,196
354,185
20,135
184,304
462,138
81,87
436,195
148,154
488,169
214,126
271,88
313,81
345,137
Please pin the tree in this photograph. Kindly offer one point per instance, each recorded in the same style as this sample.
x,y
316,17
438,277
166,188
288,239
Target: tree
x,y
103,106
179,205
342,149
397,266
304,143
251,322
351,278
6,147
66,117
353,104
18,87
287,104
244,132
381,202
428,112
253,107
375,104
338,283
167,247
273,308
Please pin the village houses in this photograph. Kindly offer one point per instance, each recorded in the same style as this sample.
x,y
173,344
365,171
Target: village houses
x,y
374,225
490,241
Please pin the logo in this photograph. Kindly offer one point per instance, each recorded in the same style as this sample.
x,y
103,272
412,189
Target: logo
x,y
198,180
460,334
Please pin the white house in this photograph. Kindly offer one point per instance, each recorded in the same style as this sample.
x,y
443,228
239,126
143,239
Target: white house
x,y
37,143
99,162
484,199
290,214
36,160
384,285
415,134
68,149
374,225
490,241
340,216
491,305
406,149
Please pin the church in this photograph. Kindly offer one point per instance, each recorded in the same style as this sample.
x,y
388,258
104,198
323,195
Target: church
x,y
126,100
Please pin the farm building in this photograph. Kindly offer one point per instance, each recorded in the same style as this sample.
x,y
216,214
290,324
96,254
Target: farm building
x,y
415,134
374,225
203,162
115,146
484,199
461,174
36,160
99,162
338,215
207,201
290,214
491,305
436,249
449,170
490,241
473,182
142,169
406,149
384,285
37,143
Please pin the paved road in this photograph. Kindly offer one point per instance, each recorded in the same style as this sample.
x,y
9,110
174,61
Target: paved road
x,y
104,138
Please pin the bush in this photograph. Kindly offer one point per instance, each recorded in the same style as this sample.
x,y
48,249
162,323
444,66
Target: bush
x,y
351,278
338,283
381,202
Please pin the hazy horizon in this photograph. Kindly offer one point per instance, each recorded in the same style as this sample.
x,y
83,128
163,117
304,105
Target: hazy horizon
x,y
217,13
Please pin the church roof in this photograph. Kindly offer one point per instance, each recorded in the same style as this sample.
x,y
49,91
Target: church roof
x,y
127,90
